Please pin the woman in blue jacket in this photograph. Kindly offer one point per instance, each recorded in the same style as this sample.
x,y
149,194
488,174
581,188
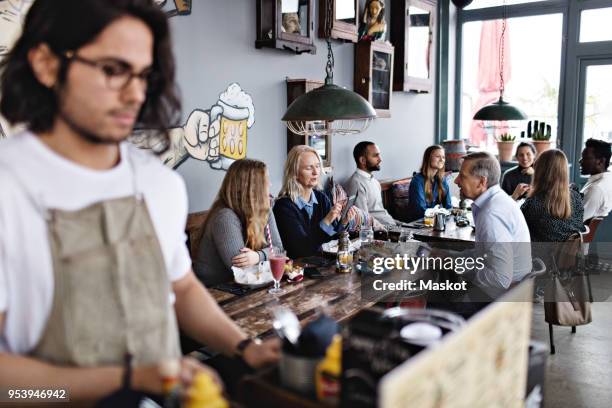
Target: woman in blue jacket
x,y
429,188
304,215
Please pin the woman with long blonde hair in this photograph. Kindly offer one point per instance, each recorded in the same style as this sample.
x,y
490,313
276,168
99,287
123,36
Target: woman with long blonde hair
x,y
305,216
429,187
237,225
553,210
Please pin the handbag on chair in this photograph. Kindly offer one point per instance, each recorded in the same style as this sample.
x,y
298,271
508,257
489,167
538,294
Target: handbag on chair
x,y
567,293
567,303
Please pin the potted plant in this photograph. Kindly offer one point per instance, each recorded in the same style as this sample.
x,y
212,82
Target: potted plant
x,y
505,146
540,136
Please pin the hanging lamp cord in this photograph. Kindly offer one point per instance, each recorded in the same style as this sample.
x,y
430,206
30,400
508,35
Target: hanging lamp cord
x,y
329,68
501,53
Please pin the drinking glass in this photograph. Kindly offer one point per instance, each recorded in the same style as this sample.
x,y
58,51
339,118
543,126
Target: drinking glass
x,y
405,236
277,266
394,233
366,234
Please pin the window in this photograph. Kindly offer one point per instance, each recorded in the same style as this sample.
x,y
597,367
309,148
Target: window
x,y
597,122
595,25
559,62
532,56
478,4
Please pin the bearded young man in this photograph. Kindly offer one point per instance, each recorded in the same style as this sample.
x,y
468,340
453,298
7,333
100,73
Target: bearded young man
x,y
93,263
367,159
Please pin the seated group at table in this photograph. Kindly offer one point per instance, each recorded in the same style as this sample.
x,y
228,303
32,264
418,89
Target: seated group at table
x,y
242,220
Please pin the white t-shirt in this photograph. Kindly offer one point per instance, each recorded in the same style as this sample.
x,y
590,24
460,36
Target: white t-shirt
x,y
26,275
597,195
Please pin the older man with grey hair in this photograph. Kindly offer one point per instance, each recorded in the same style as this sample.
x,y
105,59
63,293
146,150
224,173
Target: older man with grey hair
x,y
500,225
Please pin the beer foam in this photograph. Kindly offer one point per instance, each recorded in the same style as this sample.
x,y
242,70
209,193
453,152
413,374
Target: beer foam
x,y
235,97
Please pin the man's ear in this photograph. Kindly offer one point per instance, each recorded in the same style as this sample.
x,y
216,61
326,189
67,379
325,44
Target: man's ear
x,y
45,65
484,181
362,161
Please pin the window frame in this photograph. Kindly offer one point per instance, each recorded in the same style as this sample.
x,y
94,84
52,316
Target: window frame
x,y
573,55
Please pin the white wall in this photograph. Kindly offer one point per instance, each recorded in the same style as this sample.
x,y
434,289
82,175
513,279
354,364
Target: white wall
x,y
215,46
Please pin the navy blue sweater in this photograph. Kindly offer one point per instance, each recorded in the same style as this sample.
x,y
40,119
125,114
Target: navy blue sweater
x,y
301,236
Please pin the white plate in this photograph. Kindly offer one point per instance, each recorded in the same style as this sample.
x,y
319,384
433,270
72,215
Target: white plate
x,y
254,276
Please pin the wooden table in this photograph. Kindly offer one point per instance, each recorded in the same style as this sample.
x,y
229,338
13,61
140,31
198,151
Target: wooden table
x,y
451,234
252,312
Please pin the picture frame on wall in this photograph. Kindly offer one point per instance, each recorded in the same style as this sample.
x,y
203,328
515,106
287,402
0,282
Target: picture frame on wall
x,y
286,25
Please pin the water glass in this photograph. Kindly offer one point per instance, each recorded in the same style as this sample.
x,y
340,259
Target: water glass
x,y
366,234
405,236
394,233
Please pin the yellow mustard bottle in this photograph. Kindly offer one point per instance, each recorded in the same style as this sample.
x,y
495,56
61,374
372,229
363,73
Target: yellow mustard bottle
x,y
327,375
205,392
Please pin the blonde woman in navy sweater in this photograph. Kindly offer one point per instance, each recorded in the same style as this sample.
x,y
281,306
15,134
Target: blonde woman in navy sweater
x,y
304,215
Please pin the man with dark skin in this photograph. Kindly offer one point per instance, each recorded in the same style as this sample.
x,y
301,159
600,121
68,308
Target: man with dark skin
x,y
597,191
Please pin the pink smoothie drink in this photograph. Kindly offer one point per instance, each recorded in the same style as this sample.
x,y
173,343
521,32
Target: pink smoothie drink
x,y
277,264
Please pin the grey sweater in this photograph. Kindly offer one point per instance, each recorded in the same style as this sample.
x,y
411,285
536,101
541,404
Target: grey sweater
x,y
222,240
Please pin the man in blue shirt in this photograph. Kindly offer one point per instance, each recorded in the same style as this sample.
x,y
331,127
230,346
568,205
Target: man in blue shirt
x,y
501,230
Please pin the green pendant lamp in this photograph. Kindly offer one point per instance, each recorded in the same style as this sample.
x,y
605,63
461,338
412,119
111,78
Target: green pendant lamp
x,y
501,110
329,109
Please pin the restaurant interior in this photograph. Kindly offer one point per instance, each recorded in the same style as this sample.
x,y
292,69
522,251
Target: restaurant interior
x,y
258,78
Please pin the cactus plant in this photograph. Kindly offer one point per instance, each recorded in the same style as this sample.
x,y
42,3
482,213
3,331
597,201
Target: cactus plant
x,y
541,131
505,145
506,137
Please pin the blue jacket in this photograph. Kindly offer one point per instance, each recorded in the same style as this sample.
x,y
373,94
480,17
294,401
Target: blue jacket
x,y
417,203
302,235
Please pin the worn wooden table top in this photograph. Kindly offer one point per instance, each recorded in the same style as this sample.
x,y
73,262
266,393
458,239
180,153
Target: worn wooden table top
x,y
252,312
452,233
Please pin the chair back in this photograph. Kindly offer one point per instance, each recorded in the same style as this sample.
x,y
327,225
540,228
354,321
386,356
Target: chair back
x,y
195,230
591,229
569,253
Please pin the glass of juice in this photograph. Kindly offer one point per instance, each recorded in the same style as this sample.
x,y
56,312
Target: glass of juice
x,y
277,265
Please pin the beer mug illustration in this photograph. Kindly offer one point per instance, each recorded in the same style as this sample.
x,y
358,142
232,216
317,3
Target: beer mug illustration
x,y
234,132
238,115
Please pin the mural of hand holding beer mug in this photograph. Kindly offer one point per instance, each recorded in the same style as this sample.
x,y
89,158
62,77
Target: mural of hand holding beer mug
x,y
219,135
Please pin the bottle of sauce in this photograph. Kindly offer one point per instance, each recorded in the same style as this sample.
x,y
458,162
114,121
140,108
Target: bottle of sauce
x,y
327,375
169,371
344,260
205,393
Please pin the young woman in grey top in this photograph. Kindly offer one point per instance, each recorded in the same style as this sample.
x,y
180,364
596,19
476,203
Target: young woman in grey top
x,y
236,229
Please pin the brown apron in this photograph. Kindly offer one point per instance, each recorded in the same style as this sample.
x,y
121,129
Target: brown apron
x,y
111,292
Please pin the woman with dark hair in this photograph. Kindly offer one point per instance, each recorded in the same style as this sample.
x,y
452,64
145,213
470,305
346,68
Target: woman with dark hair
x,y
553,210
238,225
517,180
429,187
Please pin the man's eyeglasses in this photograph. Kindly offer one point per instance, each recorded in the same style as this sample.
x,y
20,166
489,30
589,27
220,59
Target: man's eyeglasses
x,y
118,73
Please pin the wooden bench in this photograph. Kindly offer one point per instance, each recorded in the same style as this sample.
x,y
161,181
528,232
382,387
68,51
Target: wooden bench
x,y
195,231
395,201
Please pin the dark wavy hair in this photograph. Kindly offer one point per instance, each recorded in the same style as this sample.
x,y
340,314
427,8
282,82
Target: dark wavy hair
x,y
67,25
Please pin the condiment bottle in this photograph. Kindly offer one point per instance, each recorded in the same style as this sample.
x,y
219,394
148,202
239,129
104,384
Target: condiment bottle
x,y
205,393
169,371
344,260
327,375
